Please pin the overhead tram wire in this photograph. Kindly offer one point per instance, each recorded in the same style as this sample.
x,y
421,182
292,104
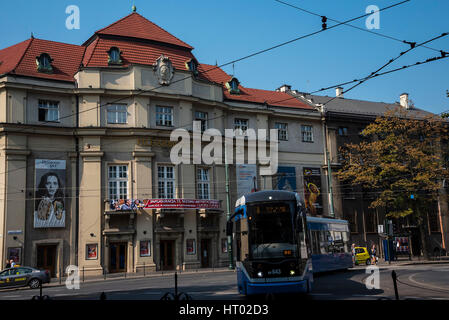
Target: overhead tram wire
x,y
140,91
350,25
413,46
429,60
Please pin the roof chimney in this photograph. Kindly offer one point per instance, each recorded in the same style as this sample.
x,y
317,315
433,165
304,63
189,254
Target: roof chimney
x,y
339,92
404,101
284,88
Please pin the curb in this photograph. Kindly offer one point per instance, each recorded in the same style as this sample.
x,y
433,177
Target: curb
x,y
56,283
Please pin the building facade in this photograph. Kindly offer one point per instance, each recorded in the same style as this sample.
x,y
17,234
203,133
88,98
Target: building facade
x,y
86,128
344,121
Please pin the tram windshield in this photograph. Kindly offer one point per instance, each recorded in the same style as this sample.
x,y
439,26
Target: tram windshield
x,y
271,230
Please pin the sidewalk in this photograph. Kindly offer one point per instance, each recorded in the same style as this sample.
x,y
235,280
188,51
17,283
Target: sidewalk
x,y
404,261
55,282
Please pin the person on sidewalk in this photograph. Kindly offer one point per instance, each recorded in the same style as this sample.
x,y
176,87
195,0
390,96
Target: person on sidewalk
x,y
373,254
353,253
8,264
13,264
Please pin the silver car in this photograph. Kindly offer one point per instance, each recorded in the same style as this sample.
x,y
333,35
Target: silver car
x,y
23,276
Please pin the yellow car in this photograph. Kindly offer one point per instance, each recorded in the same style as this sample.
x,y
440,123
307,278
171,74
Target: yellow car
x,y
362,256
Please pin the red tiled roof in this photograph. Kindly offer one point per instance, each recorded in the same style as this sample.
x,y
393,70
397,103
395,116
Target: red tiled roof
x,y
22,59
274,98
213,73
134,52
136,26
10,57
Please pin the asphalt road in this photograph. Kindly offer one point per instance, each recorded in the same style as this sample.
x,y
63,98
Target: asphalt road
x,y
423,282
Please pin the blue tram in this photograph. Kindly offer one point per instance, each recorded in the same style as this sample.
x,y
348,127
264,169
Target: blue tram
x,y
272,250
277,248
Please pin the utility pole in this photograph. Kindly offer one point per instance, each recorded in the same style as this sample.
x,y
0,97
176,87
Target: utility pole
x,y
326,154
228,205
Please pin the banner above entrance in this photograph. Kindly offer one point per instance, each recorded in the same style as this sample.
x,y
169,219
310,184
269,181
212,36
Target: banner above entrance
x,y
133,204
181,204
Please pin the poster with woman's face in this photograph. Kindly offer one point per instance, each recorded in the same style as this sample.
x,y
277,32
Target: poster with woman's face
x,y
49,204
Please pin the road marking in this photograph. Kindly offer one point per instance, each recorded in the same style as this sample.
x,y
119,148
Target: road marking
x,y
429,286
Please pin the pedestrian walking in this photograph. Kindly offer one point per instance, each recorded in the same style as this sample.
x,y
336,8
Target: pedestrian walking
x,y
8,264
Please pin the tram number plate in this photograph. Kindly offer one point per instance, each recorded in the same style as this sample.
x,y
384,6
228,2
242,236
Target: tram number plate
x,y
274,271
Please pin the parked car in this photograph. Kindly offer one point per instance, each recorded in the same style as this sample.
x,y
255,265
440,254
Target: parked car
x,y
362,256
23,276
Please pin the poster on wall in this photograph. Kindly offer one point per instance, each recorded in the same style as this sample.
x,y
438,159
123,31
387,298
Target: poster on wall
x,y
190,246
286,179
145,250
15,254
49,206
224,245
246,179
312,190
91,251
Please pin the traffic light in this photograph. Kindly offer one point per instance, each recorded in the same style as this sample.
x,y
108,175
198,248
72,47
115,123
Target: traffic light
x,y
324,20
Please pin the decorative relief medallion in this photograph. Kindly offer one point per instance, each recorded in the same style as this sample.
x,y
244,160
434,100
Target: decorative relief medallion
x,y
164,70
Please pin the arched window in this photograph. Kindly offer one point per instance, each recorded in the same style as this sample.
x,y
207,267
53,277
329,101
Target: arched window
x,y
114,56
44,63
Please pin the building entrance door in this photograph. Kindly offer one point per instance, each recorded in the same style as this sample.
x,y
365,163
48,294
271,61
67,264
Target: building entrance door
x,y
167,255
205,253
46,258
117,257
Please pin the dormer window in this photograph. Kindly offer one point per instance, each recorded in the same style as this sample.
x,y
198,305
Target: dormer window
x,y
114,56
192,66
233,86
44,63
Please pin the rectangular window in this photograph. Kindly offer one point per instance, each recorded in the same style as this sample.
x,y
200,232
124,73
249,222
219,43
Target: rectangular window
x,y
434,224
240,126
118,182
343,131
202,117
164,116
48,111
203,183
370,222
348,193
117,113
351,215
166,182
282,131
307,133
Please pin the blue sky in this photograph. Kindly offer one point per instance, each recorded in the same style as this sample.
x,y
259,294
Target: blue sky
x,y
223,31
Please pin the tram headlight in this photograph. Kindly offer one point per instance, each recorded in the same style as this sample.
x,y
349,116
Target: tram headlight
x,y
260,274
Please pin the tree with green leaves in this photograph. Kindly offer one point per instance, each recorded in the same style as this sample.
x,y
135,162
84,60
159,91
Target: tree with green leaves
x,y
401,160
